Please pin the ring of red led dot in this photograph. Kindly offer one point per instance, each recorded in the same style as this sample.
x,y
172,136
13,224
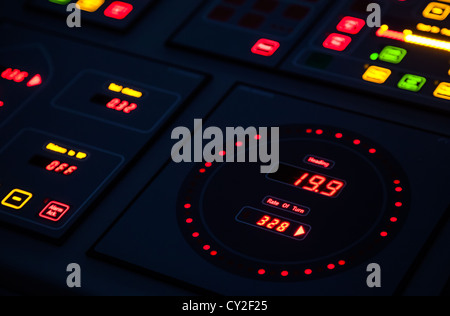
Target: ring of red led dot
x,y
204,243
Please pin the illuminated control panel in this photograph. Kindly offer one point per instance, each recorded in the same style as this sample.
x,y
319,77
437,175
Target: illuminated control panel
x,y
36,191
262,233
255,31
338,201
106,98
118,15
406,57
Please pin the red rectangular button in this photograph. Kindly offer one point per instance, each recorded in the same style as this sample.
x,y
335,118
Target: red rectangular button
x,y
265,47
118,10
54,211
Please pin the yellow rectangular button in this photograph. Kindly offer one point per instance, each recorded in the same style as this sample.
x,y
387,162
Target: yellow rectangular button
x,y
377,74
436,11
90,5
442,91
17,199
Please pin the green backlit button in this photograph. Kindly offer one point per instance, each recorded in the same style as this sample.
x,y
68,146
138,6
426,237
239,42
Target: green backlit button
x,y
64,2
412,83
392,54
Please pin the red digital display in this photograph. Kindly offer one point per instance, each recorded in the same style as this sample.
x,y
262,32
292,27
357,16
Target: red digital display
x,y
116,104
19,76
121,105
55,166
273,223
59,167
308,180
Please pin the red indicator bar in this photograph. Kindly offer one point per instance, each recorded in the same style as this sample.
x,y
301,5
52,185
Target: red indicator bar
x,y
286,206
395,35
273,223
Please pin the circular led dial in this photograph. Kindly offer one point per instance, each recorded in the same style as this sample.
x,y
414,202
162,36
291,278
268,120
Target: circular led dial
x,y
335,200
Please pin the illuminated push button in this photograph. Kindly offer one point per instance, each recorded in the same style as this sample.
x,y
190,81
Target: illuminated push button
x,y
90,5
351,25
118,10
337,42
377,74
54,211
63,2
265,47
442,91
17,199
392,54
412,83
436,11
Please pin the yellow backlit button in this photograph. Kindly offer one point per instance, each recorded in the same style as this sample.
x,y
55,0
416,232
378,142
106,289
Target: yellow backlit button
x,y
442,91
377,74
90,5
436,11
17,199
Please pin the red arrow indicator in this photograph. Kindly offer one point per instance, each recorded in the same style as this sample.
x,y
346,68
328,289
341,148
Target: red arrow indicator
x,y
35,81
300,231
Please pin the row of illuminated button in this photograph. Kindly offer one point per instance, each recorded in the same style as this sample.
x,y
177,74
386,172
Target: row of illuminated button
x,y
117,10
408,82
349,25
53,211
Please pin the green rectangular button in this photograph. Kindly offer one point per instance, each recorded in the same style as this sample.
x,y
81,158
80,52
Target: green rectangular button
x,y
412,83
392,54
60,1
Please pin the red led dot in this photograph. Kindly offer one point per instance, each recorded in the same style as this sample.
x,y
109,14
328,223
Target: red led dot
x,y
284,273
319,132
189,220
339,135
213,253
357,142
308,271
261,271
257,137
396,181
331,266
195,235
222,153
383,234
309,131
206,247
202,170
1,104
393,219
208,164
399,204
341,262
372,150
398,189
187,205
239,144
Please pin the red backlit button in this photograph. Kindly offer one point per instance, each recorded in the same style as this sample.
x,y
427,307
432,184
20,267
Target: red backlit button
x,y
337,42
118,10
265,47
351,25
54,211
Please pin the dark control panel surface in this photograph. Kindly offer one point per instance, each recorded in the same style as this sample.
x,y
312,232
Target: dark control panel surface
x,y
342,166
